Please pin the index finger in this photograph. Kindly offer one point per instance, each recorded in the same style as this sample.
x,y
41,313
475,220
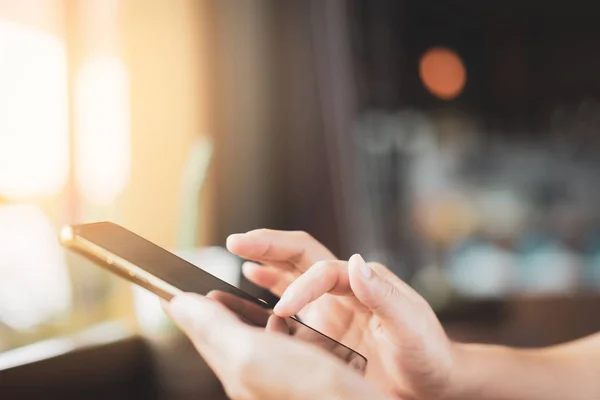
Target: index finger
x,y
323,277
264,245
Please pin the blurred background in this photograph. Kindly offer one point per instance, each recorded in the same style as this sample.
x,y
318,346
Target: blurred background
x,y
456,142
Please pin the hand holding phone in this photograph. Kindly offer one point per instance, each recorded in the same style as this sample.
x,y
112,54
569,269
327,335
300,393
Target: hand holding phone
x,y
259,365
166,275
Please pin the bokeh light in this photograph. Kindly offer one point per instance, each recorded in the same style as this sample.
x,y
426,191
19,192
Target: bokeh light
x,y
103,147
34,136
443,72
35,285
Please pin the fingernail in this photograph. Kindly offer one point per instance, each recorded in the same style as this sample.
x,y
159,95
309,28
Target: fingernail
x,y
248,264
277,308
232,238
287,299
282,303
365,270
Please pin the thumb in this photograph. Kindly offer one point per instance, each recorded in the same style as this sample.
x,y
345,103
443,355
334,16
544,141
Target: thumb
x,y
209,325
385,297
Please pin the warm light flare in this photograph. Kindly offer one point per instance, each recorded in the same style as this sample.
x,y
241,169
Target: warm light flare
x,y
34,137
35,286
103,148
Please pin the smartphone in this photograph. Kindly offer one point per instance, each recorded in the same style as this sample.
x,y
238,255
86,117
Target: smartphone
x,y
163,273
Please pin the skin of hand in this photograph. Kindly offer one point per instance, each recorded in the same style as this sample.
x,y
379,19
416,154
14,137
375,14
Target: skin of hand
x,y
257,364
365,306
369,309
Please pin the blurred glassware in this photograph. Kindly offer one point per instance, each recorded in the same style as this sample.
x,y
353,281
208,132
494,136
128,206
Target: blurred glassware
x,y
431,281
502,212
192,181
35,286
478,268
547,267
590,276
446,219
591,272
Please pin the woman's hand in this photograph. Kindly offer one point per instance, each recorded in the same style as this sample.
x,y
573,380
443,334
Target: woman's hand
x,y
365,306
372,311
258,364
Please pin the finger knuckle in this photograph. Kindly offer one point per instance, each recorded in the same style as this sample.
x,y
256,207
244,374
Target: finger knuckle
x,y
321,270
260,231
389,290
322,266
302,235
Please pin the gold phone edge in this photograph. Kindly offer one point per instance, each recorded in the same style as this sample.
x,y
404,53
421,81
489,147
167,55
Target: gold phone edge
x,y
116,264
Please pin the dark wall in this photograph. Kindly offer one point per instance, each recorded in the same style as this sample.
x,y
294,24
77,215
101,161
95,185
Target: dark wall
x,y
272,160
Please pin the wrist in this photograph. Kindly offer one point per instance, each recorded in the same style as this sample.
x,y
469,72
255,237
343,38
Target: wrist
x,y
465,371
481,369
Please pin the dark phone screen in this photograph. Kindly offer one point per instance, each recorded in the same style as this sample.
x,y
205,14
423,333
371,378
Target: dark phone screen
x,y
189,278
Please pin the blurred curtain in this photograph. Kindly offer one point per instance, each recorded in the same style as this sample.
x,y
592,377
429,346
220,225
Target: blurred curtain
x,y
337,99
292,80
281,109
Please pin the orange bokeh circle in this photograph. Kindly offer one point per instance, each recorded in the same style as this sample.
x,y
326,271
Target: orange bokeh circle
x,y
443,72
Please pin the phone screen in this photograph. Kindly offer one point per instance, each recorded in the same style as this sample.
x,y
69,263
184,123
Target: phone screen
x,y
187,277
